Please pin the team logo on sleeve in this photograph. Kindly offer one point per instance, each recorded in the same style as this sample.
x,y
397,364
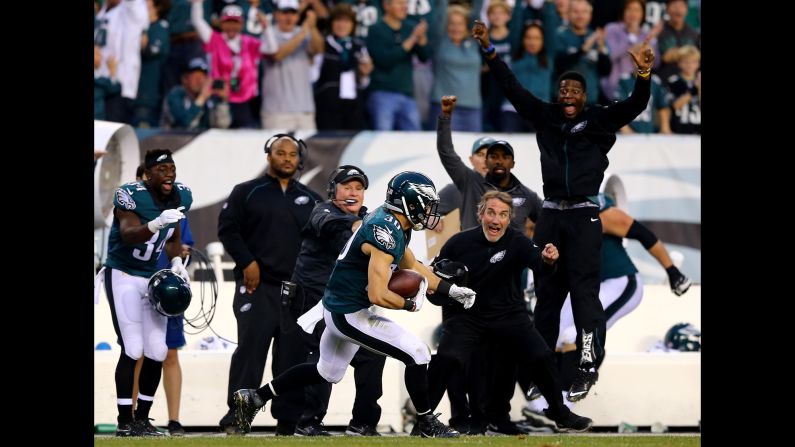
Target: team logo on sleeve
x,y
125,199
301,200
518,201
384,237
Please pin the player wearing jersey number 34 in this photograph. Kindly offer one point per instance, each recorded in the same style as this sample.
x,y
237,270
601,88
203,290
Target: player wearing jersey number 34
x,y
145,221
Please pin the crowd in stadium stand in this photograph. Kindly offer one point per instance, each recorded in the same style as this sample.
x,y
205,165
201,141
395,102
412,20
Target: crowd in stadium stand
x,y
382,64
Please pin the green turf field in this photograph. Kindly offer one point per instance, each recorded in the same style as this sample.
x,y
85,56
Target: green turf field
x,y
593,440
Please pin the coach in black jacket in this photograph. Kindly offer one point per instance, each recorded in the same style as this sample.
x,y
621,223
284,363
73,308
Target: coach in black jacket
x,y
574,142
260,226
495,255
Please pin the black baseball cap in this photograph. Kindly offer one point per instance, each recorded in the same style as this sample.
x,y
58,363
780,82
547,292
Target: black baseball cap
x,y
348,172
501,144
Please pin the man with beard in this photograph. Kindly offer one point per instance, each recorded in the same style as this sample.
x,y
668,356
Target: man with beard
x,y
146,215
472,185
260,226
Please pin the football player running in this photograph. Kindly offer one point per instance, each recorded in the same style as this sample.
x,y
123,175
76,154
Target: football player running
x,y
360,279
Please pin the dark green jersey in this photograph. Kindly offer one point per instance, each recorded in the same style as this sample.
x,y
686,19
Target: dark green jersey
x,y
644,123
346,290
141,259
615,260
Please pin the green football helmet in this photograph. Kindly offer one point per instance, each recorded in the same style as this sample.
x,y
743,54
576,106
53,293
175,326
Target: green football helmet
x,y
169,294
414,195
683,337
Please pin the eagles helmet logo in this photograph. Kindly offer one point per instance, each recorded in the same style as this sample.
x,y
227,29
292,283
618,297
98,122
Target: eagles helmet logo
x,y
384,237
424,190
125,199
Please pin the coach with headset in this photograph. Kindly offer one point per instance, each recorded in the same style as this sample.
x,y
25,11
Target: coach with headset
x,y
260,226
330,226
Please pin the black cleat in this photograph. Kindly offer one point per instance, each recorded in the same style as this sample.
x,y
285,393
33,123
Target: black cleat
x,y
227,423
142,427
429,426
247,404
361,430
123,429
572,423
584,379
681,285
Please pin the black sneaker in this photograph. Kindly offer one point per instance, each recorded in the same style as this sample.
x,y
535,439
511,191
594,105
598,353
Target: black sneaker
x,y
247,404
361,430
584,379
533,392
572,423
537,422
175,428
142,427
429,426
312,429
503,428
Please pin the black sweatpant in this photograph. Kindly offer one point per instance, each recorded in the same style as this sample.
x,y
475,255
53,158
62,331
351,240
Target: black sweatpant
x,y
368,371
519,338
577,233
466,390
260,319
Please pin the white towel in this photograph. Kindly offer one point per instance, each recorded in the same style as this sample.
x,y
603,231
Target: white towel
x,y
308,320
99,280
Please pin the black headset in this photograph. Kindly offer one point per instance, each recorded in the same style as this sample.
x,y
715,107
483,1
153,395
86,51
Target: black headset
x,y
331,188
302,149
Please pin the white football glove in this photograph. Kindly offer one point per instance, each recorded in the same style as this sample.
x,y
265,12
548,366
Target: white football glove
x,y
419,298
463,295
178,268
165,218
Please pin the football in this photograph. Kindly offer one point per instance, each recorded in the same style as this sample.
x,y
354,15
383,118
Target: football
x,y
405,283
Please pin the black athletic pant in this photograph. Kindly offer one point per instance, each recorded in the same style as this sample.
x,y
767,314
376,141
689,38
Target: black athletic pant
x,y
368,371
577,233
518,337
260,318
466,390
